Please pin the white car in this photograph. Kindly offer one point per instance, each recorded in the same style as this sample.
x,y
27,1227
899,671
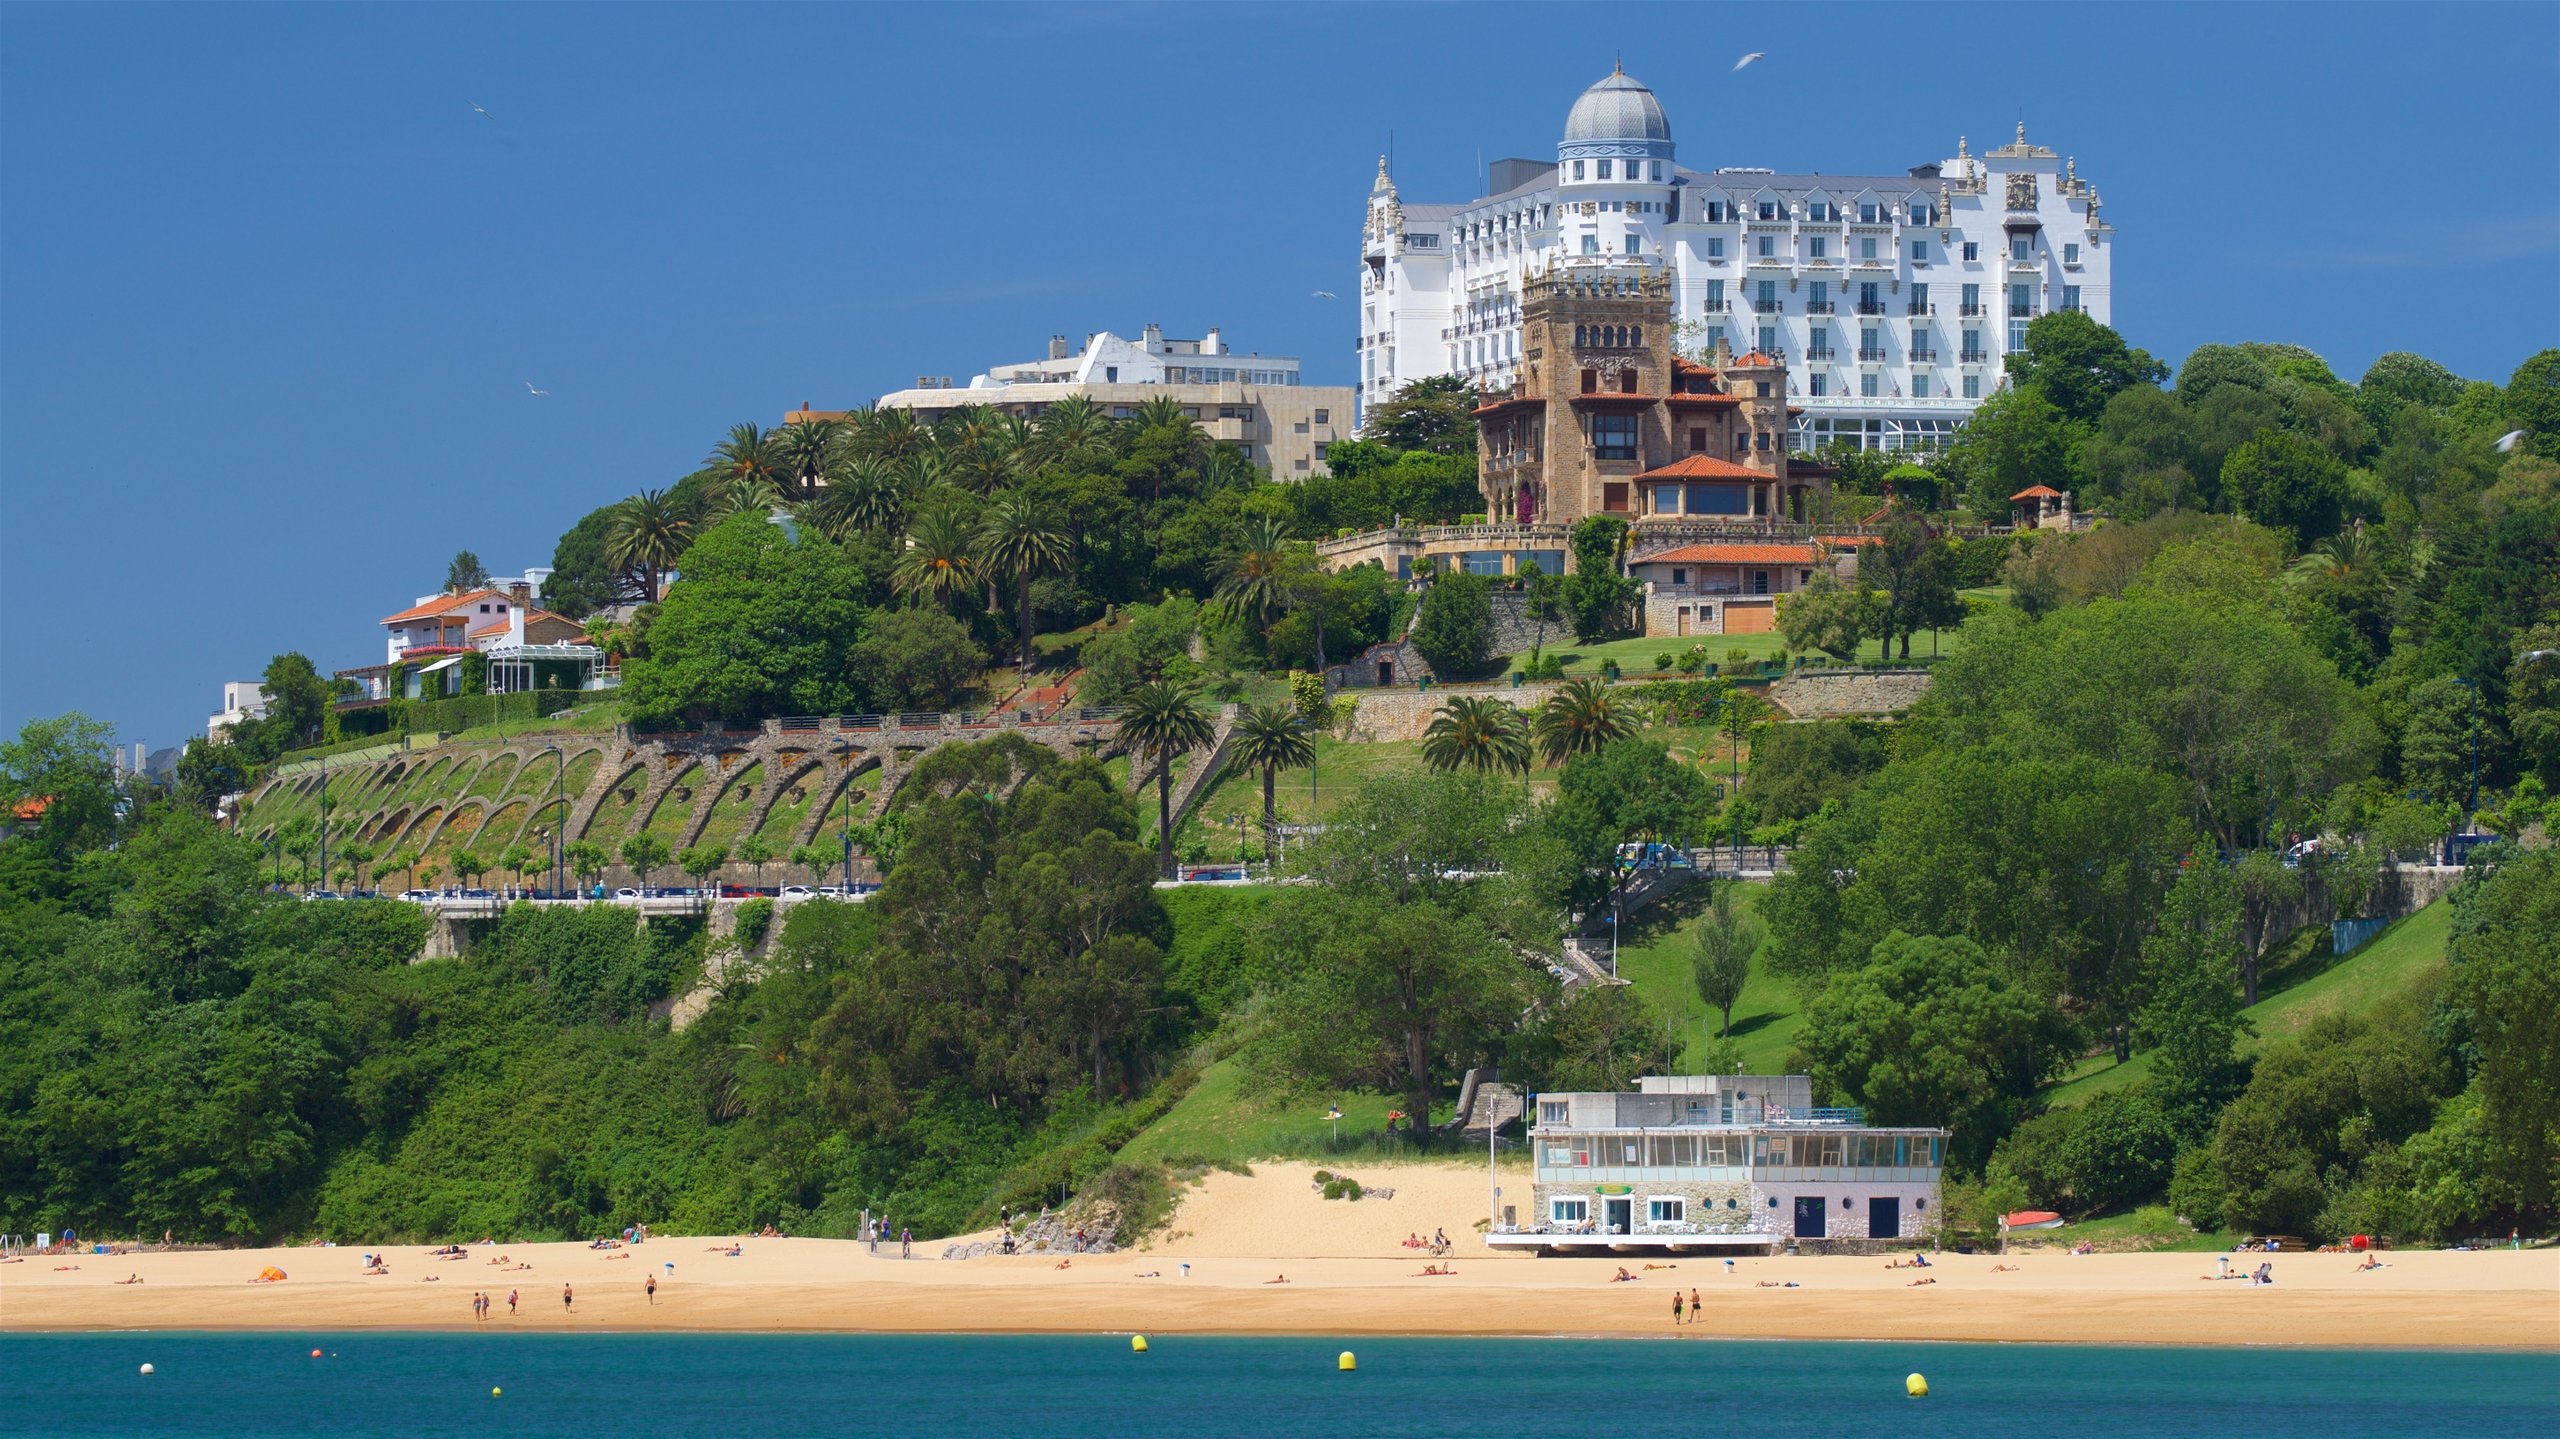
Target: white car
x,y
624,893
321,894
794,891
419,896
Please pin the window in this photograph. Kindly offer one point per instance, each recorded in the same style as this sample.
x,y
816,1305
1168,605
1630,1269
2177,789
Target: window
x,y
2022,299
1574,1211
1626,382
1919,212
1715,337
1657,169
1819,347
1666,1211
1553,1111
1867,248
1672,494
1741,443
1577,169
1972,251
1715,247
1715,295
1768,209
1719,500
1920,299
1867,212
1919,252
1613,437
1972,386
1697,440
1972,347
1867,384
1820,247
1762,440
1635,244
1768,295
2020,246
1761,388
1321,448
2017,335
1111,374
1768,339
1818,384
2071,254
1715,212
1591,382
1591,244
1919,339
2071,297
1919,384
1973,299
1768,246
1324,417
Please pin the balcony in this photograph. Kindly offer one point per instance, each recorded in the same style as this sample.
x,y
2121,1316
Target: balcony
x,y
1919,307
1819,352
1870,354
1923,353
1973,309
1769,307
1817,307
1871,307
1972,357
2021,312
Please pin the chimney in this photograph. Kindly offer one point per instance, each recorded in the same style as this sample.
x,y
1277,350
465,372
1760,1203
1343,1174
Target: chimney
x,y
1213,345
515,623
1154,339
1057,347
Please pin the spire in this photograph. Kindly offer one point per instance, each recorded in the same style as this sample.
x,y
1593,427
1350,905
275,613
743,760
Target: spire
x,y
1384,186
1618,66
2022,134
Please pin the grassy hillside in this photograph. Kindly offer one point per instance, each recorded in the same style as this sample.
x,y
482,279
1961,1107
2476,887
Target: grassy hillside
x,y
1654,958
2303,982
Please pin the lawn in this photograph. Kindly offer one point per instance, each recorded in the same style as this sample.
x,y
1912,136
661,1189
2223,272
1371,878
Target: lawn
x,y
2151,1227
1635,657
1218,1122
2302,982
1654,959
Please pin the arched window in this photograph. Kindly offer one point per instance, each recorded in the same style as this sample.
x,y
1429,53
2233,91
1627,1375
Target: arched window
x,y
1636,336
1579,335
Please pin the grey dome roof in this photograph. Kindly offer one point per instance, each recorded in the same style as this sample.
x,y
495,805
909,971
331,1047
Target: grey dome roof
x,y
1618,108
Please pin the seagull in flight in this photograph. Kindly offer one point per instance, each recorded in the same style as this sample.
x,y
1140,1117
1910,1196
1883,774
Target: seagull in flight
x,y
1747,59
530,390
476,110
1325,295
2507,442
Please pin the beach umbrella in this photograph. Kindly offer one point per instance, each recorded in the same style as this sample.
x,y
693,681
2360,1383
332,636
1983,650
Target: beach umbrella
x,y
270,1274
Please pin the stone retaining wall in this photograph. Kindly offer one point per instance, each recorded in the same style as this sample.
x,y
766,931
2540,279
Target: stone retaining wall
x,y
1824,694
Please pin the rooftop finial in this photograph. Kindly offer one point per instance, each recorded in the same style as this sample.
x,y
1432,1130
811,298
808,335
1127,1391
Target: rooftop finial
x,y
2022,131
1384,184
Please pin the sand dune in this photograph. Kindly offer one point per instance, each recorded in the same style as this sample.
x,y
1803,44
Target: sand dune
x,y
1347,1275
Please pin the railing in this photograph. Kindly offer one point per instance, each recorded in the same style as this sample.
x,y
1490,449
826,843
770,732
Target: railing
x,y
1769,307
1976,309
1973,357
1919,307
2018,311
1924,352
1870,353
1821,354
1817,307
1871,307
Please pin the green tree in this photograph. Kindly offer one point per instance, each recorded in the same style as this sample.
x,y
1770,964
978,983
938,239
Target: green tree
x,y
2533,401
2015,440
2286,482
1160,721
515,859
1798,768
1627,792
1021,537
863,495
1929,1031
651,531
1825,615
2398,380
1477,732
2506,976
65,767
755,852
1256,582
757,628
750,458
937,564
586,859
916,659
469,865
1597,593
1913,573
1606,1037
1435,414
297,699
702,861
1720,961
582,579
1270,738
465,573
1455,629
1579,719
2436,738
2191,1021
2080,364
644,852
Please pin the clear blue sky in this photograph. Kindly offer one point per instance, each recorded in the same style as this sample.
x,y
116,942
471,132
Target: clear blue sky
x,y
271,291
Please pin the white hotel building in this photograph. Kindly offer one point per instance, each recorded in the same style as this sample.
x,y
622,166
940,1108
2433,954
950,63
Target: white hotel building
x,y
1891,299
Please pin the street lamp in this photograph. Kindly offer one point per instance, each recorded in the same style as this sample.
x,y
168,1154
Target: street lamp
x,y
560,822
847,792
324,825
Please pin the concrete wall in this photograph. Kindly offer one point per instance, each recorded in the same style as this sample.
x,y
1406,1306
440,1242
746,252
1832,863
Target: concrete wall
x,y
1403,714
1822,694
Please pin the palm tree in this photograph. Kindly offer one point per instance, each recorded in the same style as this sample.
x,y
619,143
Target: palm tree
x,y
748,454
804,447
1071,427
893,435
1256,581
936,563
1271,738
649,534
1159,721
1225,469
2345,553
1478,732
745,495
862,496
1578,719
1021,536
981,464
1158,414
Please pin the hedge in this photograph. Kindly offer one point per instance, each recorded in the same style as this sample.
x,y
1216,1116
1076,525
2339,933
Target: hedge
x,y
464,712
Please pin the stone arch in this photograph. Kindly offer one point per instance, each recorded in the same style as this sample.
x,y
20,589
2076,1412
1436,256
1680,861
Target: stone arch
x,y
506,821
711,797
419,829
681,768
633,775
512,759
831,786
381,828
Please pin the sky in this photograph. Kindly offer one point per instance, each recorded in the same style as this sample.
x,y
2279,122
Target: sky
x,y
273,287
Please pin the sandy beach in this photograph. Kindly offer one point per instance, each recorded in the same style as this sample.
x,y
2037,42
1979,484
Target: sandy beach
x,y
1210,1272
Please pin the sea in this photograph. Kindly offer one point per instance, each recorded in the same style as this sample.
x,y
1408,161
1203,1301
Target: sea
x,y
735,1386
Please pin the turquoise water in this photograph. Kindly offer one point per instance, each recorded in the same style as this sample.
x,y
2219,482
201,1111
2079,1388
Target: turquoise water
x,y
748,1386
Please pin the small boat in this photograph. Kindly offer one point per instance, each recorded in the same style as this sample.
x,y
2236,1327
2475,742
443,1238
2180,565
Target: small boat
x,y
2031,1219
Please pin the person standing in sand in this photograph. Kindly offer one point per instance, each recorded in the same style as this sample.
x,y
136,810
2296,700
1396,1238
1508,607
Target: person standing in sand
x,y
565,1299
1697,1307
511,1304
1678,1307
652,1287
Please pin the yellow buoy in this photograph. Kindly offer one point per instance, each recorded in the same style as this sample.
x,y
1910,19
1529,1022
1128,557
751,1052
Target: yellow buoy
x,y
1137,1344
1346,1363
1917,1386
493,1391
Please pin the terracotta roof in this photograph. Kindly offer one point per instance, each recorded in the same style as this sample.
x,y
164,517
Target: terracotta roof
x,y
443,604
531,617
32,808
1705,467
2037,492
1735,555
1758,358
1512,402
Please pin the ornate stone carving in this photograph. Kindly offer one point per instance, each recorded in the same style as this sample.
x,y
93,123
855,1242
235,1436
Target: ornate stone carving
x,y
2022,190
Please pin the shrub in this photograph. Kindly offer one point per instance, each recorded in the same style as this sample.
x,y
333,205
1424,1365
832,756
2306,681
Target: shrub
x,y
754,918
1665,660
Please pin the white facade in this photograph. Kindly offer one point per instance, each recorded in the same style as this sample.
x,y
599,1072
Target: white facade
x,y
1892,299
241,700
1150,359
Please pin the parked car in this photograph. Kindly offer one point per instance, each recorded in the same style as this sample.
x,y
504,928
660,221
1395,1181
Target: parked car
x,y
625,893
795,891
419,896
321,894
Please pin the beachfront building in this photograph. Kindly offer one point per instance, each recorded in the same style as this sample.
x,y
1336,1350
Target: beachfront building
x,y
1257,403
1893,300
1718,1163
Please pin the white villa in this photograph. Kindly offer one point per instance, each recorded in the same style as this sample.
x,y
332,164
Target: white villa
x,y
1890,299
1718,1164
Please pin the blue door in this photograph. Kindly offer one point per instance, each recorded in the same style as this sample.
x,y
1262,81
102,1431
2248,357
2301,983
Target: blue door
x,y
1884,1219
1809,1217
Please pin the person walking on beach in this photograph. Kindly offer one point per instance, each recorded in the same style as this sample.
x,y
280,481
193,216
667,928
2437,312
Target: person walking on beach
x,y
906,1244
1678,1307
511,1304
1697,1307
566,1299
653,1290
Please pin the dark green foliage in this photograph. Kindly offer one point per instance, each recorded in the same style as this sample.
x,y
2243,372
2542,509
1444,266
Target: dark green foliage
x,y
2106,1154
2506,980
1598,598
757,627
2080,364
916,659
582,580
1798,768
2286,482
1455,632
1434,414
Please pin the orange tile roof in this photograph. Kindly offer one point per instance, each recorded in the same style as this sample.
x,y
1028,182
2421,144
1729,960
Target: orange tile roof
x,y
1735,555
33,807
1758,358
533,615
443,604
2037,492
1716,401
1705,467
